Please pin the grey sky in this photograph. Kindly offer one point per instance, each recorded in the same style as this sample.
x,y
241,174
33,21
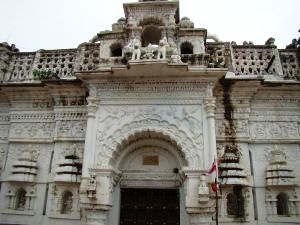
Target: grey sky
x,y
51,24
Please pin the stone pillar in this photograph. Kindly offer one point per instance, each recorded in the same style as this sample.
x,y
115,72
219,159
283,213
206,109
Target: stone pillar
x,y
199,207
97,208
89,148
210,105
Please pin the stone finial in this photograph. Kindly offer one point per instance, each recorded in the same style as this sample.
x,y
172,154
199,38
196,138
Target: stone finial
x,y
293,45
270,42
12,48
185,22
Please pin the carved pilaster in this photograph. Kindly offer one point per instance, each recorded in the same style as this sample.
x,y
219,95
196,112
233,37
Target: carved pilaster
x,y
200,210
96,195
89,148
92,106
210,106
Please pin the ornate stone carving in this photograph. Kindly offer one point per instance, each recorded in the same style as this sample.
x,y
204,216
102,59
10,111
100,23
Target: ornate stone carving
x,y
31,130
64,201
275,130
21,197
148,87
60,62
162,48
239,128
248,60
20,70
278,173
25,168
92,187
203,190
135,47
2,155
185,22
230,167
4,129
69,165
32,116
160,119
70,129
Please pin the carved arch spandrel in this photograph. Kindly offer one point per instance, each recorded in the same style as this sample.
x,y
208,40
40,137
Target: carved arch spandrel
x,y
145,140
108,146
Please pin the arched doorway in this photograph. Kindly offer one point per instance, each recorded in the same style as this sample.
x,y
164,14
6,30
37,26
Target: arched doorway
x,y
150,190
151,35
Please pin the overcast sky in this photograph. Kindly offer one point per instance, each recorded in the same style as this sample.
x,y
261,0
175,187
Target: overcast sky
x,y
52,24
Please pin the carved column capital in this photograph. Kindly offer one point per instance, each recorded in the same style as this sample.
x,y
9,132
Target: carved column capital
x,y
92,106
210,106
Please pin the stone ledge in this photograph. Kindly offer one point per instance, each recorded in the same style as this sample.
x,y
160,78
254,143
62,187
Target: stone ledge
x,y
16,212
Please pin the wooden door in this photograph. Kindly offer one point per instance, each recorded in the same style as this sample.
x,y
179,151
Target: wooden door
x,y
149,207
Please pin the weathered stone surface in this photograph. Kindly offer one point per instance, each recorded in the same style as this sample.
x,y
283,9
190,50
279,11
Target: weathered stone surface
x,y
150,104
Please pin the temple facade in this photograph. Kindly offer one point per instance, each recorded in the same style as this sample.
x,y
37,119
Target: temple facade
x,y
136,126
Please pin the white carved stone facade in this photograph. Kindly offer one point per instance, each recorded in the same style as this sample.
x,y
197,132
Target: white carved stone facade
x,y
149,106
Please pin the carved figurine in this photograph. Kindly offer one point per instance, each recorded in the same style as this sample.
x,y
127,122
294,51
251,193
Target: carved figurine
x,y
175,57
203,190
136,54
91,187
270,42
149,52
162,49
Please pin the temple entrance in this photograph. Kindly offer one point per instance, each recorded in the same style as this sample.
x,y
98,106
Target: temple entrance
x,y
149,206
150,190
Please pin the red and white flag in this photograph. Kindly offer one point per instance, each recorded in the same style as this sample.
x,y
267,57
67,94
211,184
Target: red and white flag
x,y
213,170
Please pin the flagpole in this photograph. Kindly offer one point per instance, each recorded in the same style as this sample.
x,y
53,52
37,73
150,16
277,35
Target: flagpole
x,y
217,205
217,182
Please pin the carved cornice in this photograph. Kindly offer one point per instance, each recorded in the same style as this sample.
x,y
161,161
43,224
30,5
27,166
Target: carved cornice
x,y
71,113
31,117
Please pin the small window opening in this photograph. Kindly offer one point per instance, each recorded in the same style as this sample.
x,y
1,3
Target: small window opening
x,y
186,48
232,204
235,202
282,204
116,50
151,35
67,203
21,199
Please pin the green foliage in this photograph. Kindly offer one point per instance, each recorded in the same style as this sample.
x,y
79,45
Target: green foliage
x,y
44,74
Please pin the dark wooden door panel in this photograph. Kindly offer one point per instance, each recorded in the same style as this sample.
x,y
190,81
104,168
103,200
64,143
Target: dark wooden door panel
x,y
149,207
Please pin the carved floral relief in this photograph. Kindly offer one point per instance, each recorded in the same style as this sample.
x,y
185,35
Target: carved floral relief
x,y
182,123
278,130
71,129
32,130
